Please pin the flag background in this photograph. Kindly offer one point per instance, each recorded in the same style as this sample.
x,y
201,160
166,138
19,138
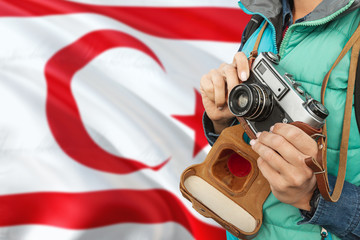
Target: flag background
x,y
101,113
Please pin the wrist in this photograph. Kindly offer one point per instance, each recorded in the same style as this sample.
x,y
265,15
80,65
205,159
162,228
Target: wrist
x,y
313,204
221,125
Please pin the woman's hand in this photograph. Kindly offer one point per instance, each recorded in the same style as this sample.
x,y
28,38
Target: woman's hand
x,y
217,84
282,154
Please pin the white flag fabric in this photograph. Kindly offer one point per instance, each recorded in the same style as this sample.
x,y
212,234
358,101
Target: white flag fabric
x,y
101,113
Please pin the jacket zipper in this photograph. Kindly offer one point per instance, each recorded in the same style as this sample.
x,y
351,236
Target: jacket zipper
x,y
323,234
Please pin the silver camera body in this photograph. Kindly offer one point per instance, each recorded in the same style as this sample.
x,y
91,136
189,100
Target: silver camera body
x,y
271,95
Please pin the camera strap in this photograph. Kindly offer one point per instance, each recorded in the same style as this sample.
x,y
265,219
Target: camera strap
x,y
254,52
251,59
319,166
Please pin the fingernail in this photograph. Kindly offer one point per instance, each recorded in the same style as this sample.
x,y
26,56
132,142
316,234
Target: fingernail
x,y
258,134
243,76
271,128
252,142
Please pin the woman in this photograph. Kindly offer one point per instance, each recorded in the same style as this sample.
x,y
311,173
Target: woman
x,y
308,35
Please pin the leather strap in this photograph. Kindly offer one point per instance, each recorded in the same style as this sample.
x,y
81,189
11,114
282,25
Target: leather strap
x,y
254,52
253,55
319,166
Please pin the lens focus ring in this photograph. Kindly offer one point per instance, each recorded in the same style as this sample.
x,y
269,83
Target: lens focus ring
x,y
250,101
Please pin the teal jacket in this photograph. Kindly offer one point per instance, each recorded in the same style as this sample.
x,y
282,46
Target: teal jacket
x,y
307,51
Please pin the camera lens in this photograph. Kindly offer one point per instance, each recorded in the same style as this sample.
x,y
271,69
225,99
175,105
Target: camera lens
x,y
251,101
243,100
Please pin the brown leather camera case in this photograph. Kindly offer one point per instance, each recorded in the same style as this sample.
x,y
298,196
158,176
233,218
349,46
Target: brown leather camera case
x,y
234,202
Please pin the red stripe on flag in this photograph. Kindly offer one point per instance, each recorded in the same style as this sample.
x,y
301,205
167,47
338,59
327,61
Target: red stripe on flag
x,y
102,208
196,23
61,108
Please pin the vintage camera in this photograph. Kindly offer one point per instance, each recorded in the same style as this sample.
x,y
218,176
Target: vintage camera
x,y
228,186
271,95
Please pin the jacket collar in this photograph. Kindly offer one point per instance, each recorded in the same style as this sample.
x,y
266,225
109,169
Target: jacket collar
x,y
272,9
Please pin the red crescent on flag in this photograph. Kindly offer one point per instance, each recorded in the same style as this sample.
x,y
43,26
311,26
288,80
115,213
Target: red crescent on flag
x,y
62,111
92,209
